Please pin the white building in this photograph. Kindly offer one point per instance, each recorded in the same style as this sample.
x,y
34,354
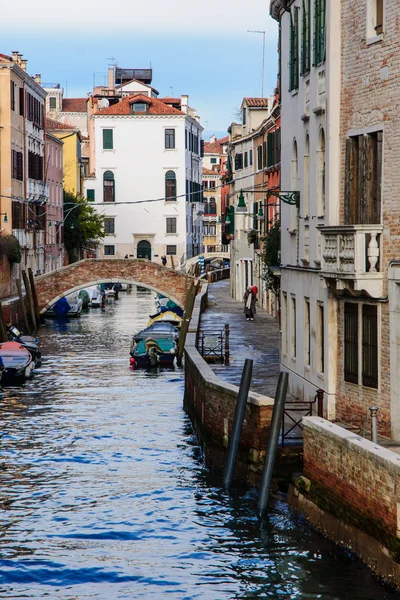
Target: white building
x,y
310,99
147,176
244,167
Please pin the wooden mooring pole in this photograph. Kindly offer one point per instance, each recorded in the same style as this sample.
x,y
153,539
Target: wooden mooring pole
x,y
23,305
3,327
28,292
34,295
187,315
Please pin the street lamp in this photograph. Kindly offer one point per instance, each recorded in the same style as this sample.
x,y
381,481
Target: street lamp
x,y
5,220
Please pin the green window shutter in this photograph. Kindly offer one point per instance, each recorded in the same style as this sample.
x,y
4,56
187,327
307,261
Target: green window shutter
x,y
308,37
315,44
255,212
296,50
90,195
232,219
303,39
277,146
271,149
108,139
291,54
322,31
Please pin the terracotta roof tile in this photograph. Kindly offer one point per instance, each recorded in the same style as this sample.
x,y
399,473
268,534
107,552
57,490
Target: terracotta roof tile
x,y
156,107
210,172
256,102
74,104
52,124
215,147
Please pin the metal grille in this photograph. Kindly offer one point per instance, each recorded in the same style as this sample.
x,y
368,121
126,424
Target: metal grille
x,y
213,344
370,346
351,342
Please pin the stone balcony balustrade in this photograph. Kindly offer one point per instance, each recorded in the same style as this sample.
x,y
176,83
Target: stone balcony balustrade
x,y
350,255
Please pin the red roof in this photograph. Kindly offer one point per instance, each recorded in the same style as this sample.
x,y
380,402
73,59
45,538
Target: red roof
x,y
210,172
156,107
52,124
256,102
74,104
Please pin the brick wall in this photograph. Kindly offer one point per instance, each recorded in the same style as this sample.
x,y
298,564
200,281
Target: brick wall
x,y
353,478
5,277
370,91
89,271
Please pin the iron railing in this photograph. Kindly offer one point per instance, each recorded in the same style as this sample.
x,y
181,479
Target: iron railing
x,y
294,413
213,344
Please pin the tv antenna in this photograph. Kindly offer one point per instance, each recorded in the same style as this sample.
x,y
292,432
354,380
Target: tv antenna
x,y
113,62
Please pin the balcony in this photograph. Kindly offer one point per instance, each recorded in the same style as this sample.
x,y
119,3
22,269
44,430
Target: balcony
x,y
350,255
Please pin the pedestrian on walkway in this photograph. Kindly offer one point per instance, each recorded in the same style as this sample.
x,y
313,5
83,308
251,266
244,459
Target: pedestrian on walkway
x,y
249,304
164,260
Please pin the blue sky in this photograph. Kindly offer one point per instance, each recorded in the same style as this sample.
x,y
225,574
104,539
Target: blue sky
x,y
199,50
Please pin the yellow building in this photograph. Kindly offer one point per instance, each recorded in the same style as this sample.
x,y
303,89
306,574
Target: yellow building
x,y
72,161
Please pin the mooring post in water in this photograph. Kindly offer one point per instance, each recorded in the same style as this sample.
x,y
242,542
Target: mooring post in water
x,y
34,294
22,303
226,357
30,298
272,443
3,328
237,423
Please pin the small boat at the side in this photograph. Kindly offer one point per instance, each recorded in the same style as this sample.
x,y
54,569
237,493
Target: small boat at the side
x,y
17,361
153,353
65,308
166,317
29,342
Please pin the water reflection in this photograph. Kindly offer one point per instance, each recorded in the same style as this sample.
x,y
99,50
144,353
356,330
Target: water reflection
x,y
104,493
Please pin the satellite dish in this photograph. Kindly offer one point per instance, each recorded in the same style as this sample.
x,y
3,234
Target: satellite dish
x,y
104,103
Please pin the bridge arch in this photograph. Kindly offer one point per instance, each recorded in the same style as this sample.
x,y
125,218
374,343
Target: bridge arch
x,y
52,286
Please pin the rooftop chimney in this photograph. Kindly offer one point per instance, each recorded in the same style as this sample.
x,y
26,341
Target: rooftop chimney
x,y
184,103
38,78
111,78
15,55
19,58
23,64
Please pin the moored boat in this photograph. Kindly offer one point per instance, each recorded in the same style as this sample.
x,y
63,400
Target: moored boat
x,y
166,317
70,306
28,341
153,352
17,361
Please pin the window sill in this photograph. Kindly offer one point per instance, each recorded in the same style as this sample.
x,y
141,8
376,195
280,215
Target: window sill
x,y
108,149
374,39
169,149
171,234
294,92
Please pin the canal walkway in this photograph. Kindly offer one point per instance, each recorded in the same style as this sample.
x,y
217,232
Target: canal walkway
x,y
258,340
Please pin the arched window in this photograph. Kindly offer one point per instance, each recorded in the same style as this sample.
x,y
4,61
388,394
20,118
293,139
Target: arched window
x,y
213,206
108,187
321,174
306,192
170,185
206,208
144,249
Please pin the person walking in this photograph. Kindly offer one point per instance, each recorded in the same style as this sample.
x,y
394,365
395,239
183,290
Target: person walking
x,y
249,304
164,261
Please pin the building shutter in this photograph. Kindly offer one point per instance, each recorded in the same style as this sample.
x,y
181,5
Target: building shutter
x,y
271,149
277,146
291,54
352,191
351,342
255,214
107,139
90,194
370,345
232,220
372,176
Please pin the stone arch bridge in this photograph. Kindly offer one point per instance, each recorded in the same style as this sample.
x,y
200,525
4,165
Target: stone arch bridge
x,y
52,286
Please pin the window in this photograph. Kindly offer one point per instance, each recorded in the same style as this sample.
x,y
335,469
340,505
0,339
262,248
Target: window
x,y
21,101
108,186
12,92
321,338
319,31
321,174
138,107
294,51
255,215
374,18
259,158
205,228
34,110
205,185
284,322
186,139
246,160
238,162
108,139
213,229
307,332
230,228
271,149
109,250
170,250
170,185
169,139
90,195
293,327
351,342
264,161
18,215
213,161
369,346
52,102
170,224
306,179
244,116
363,179
212,185
35,166
17,171
109,225
251,158
305,38
212,207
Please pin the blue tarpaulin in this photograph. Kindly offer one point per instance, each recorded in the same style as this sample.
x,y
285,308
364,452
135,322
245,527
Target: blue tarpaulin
x,y
61,307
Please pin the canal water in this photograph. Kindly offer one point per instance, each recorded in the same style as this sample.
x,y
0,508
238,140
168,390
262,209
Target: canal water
x,y
104,493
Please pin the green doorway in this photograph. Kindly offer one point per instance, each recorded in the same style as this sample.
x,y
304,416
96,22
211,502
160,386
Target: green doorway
x,y
144,250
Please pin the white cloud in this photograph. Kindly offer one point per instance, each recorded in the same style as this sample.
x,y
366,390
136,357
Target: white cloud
x,y
207,17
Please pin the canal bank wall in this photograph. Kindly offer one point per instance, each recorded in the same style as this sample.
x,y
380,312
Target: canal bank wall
x,y
211,402
350,491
